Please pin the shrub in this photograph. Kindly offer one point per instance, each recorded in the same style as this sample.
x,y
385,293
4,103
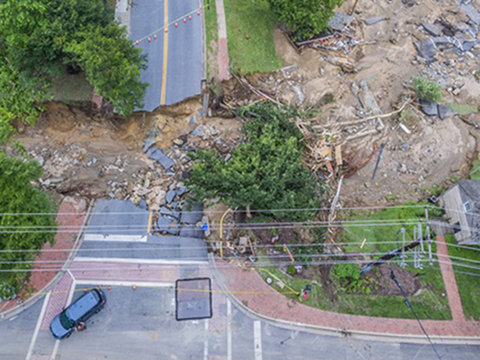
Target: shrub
x,y
427,90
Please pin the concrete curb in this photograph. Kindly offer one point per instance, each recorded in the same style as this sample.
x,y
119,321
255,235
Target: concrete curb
x,y
39,295
322,330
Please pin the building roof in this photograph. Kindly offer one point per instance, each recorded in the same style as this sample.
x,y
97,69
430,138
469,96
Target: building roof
x,y
470,191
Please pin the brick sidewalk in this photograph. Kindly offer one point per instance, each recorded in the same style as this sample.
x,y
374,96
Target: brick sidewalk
x,y
449,280
222,56
38,280
251,290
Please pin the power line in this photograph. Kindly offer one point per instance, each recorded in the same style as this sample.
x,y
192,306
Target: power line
x,y
222,211
148,267
410,306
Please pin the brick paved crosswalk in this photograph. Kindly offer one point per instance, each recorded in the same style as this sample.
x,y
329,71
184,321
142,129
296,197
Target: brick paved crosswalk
x,y
58,300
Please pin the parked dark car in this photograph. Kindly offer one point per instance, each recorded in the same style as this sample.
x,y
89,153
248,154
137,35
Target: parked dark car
x,y
77,313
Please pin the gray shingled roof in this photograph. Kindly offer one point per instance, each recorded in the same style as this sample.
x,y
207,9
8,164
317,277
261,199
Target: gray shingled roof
x,y
470,191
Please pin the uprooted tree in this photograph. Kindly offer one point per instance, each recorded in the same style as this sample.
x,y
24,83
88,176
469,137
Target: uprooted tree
x,y
22,234
266,172
304,18
43,38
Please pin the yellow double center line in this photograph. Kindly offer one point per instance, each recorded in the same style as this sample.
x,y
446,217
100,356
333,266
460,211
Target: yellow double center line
x,y
163,93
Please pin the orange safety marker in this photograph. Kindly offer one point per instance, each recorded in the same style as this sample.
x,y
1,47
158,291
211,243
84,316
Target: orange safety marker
x,y
137,42
134,287
190,17
185,20
166,31
155,36
198,13
176,24
149,40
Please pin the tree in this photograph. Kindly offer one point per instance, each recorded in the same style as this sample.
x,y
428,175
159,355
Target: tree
x,y
37,31
304,18
266,172
18,196
112,65
40,38
18,96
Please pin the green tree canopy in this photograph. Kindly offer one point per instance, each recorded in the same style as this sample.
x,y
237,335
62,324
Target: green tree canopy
x,y
18,196
41,37
112,65
266,172
304,18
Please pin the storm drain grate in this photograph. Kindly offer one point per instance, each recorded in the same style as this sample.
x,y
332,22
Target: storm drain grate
x,y
193,299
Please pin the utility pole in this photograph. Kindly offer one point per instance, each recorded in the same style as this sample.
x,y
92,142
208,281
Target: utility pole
x,y
353,8
378,161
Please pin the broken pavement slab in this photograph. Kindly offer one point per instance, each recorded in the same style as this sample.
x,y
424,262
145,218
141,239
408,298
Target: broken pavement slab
x,y
445,111
374,20
192,213
340,21
432,29
471,12
441,111
426,49
158,155
429,108
170,196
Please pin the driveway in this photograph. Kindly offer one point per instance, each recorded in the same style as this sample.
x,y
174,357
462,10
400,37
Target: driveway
x,y
175,59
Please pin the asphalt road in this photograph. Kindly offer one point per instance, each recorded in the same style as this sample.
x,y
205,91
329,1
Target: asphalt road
x,y
140,324
184,53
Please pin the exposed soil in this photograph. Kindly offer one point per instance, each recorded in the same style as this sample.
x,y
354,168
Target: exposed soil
x,y
84,154
387,61
386,286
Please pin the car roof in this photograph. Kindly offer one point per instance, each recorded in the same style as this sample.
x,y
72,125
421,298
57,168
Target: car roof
x,y
83,305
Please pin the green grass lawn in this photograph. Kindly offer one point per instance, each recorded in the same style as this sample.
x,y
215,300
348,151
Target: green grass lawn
x,y
68,88
250,26
463,109
430,303
426,304
211,32
475,172
468,285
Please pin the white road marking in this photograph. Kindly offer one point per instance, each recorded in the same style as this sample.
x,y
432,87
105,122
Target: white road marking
x,y
229,330
37,327
70,273
69,300
139,261
257,334
205,343
55,349
124,283
100,237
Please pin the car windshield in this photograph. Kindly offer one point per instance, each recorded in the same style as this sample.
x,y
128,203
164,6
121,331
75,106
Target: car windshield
x,y
65,321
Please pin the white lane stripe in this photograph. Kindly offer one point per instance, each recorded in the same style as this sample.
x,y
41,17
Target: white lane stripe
x,y
69,300
139,261
257,333
229,330
124,283
100,237
37,327
205,343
